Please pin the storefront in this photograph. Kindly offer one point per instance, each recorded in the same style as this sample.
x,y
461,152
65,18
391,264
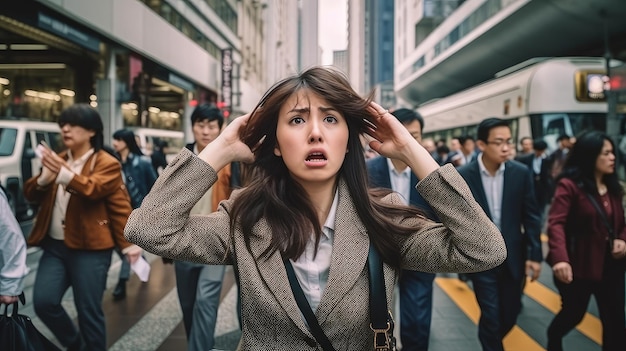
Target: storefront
x,y
46,64
49,62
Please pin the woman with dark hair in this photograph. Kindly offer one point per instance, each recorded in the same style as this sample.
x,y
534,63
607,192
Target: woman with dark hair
x,y
139,176
587,240
83,209
308,206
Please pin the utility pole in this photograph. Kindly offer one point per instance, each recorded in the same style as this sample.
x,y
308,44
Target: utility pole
x,y
612,122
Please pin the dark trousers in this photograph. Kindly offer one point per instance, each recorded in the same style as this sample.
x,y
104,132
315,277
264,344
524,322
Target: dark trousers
x,y
86,272
416,305
609,295
199,287
499,296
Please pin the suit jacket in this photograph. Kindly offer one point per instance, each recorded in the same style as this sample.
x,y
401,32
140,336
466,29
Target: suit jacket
x,y
378,174
572,216
271,318
89,225
542,181
519,209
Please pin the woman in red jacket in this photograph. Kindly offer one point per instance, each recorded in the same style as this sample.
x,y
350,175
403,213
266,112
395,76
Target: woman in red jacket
x,y
587,241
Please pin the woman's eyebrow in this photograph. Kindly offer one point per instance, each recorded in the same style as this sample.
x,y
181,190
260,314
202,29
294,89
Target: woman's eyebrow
x,y
300,110
326,109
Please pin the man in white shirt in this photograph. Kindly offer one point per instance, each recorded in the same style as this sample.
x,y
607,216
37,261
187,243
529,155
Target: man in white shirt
x,y
504,189
416,288
13,267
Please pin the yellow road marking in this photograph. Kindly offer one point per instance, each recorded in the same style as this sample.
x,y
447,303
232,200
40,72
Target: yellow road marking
x,y
463,297
590,326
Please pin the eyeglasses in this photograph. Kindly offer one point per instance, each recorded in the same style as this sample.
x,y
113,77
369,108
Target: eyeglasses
x,y
500,142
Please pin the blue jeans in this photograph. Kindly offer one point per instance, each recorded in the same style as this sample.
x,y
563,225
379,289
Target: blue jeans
x,y
199,287
86,272
416,306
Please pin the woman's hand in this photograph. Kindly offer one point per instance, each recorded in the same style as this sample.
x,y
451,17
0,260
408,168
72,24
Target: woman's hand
x,y
134,255
563,272
227,147
52,161
619,249
393,140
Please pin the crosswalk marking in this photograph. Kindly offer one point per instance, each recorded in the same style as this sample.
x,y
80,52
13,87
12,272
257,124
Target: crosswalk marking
x,y
153,328
590,326
463,297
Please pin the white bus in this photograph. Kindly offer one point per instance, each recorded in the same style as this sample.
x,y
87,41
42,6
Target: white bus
x,y
541,97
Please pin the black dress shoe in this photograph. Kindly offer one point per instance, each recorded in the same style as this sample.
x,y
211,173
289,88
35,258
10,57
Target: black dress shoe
x,y
120,290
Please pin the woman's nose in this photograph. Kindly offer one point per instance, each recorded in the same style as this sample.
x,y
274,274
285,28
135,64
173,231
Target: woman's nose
x,y
315,134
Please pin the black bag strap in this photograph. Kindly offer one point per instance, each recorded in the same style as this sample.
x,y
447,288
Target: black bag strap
x,y
380,320
305,308
605,220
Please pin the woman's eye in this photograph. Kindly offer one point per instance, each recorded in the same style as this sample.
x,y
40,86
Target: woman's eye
x,y
330,119
297,120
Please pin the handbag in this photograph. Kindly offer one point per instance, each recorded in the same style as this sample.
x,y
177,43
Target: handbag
x,y
381,320
17,332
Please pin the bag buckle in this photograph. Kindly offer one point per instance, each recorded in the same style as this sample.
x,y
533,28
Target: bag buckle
x,y
381,338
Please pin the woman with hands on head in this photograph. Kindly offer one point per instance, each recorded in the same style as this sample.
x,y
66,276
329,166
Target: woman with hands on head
x,y
586,256
83,209
309,203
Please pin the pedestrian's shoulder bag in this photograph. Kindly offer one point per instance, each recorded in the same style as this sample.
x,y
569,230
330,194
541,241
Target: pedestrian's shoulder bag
x,y
17,332
381,320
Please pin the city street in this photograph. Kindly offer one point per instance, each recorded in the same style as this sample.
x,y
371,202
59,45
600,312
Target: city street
x,y
150,317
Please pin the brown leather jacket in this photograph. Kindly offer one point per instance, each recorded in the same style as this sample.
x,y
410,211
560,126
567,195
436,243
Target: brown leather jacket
x,y
96,212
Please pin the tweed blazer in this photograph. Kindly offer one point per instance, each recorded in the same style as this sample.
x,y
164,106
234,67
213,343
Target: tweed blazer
x,y
271,319
97,210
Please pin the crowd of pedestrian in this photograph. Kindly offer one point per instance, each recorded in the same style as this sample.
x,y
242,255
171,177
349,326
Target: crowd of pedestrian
x,y
334,177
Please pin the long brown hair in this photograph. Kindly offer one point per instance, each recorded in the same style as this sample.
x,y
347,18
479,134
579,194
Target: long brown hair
x,y
284,204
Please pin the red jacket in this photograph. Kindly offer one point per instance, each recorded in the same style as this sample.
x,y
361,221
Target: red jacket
x,y
573,215
97,210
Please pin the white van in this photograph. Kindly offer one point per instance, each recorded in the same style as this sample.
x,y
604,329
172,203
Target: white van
x,y
18,140
171,141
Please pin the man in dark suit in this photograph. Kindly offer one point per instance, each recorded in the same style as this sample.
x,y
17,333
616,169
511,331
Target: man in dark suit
x,y
505,191
537,162
416,288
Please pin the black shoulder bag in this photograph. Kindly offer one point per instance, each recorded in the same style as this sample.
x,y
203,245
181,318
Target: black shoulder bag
x,y
381,320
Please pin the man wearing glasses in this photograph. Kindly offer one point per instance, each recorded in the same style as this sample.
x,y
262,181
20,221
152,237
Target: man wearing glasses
x,y
505,191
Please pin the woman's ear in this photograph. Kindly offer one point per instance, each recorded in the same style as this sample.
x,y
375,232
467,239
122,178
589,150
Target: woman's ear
x,y
277,151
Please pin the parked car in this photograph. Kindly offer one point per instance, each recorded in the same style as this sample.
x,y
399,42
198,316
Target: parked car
x,y
18,162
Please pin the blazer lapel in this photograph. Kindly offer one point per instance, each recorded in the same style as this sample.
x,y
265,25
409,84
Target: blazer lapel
x,y
507,187
350,249
476,185
273,272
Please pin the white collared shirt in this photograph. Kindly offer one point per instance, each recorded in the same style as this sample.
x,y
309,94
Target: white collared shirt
x,y
64,177
312,273
494,187
537,163
400,181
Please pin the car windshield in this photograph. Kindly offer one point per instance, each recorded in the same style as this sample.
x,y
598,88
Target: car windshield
x,y
7,141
